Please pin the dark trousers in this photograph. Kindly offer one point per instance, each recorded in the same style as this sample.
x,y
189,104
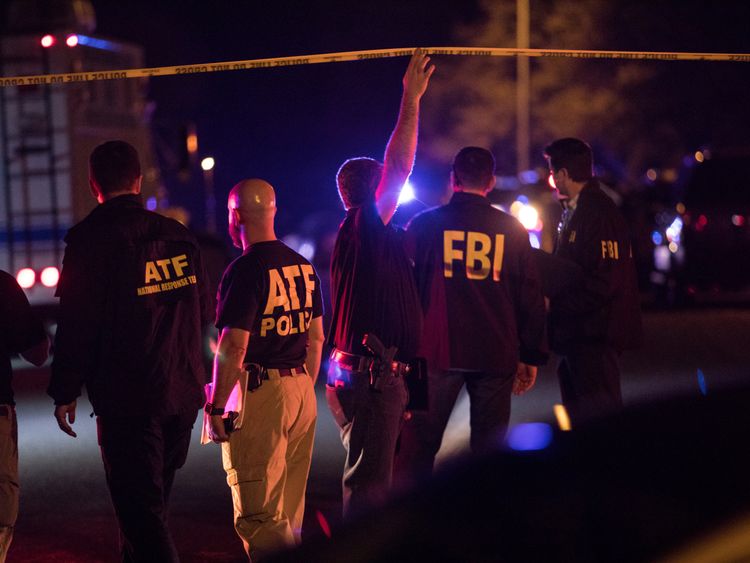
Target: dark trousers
x,y
369,423
421,436
589,382
141,456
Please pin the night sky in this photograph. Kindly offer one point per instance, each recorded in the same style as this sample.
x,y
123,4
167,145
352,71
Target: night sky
x,y
291,126
294,126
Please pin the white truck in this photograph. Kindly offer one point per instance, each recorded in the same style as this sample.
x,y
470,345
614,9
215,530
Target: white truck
x,y
48,131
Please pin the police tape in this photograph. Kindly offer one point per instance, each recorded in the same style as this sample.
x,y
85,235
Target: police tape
x,y
67,78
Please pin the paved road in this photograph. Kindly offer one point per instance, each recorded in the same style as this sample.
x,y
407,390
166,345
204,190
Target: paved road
x,y
65,511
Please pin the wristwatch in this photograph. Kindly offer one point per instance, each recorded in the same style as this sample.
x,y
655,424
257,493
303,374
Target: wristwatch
x,y
212,410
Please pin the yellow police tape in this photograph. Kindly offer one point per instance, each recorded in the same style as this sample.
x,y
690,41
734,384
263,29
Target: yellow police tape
x,y
363,55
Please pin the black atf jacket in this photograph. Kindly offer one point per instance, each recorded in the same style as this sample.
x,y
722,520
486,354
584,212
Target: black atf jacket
x,y
604,306
133,301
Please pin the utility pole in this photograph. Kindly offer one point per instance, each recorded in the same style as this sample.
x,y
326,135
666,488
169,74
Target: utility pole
x,y
522,87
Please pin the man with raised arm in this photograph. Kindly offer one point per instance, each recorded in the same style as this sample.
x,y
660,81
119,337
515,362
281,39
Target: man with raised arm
x,y
373,293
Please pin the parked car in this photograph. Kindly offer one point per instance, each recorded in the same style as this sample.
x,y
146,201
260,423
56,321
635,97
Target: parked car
x,y
700,243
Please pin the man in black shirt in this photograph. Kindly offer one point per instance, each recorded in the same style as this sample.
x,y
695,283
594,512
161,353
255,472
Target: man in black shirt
x,y
132,306
270,318
484,313
595,319
20,333
373,292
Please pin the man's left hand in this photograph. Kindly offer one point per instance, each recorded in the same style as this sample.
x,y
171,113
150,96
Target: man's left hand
x,y
525,378
217,432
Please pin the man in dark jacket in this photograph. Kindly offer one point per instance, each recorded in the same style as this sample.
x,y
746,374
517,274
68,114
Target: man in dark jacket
x,y
483,312
132,305
594,319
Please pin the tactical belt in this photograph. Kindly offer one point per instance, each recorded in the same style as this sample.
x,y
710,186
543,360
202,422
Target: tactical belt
x,y
356,363
271,373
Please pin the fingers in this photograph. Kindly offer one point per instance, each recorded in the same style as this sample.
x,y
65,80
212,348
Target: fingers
x,y
418,74
525,379
60,414
217,432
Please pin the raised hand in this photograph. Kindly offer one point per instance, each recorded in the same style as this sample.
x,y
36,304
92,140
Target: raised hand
x,y
417,74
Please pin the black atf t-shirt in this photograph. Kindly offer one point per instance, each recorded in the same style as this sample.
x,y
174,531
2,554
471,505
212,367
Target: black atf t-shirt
x,y
273,293
19,330
372,286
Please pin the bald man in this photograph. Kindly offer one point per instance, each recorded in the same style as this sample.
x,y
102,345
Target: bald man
x,y
270,321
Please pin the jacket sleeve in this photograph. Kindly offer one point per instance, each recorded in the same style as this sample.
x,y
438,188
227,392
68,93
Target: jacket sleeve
x,y
530,311
82,291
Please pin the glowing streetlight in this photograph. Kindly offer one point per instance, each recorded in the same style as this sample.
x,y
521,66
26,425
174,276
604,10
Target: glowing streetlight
x,y
207,164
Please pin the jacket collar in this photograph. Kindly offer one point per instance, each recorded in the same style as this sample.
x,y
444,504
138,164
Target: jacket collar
x,y
122,201
469,198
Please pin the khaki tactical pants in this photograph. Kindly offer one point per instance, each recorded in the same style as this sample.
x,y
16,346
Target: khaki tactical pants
x,y
267,463
8,477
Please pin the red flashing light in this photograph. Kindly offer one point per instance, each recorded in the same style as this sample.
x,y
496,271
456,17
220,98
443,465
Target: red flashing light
x,y
47,41
26,278
71,40
701,223
50,276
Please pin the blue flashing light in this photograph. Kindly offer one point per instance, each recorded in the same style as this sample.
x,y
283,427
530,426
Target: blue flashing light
x,y
534,240
523,199
702,382
529,177
95,43
151,203
656,238
531,436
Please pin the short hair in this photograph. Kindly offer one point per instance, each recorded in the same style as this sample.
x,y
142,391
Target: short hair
x,y
114,166
572,154
357,180
473,167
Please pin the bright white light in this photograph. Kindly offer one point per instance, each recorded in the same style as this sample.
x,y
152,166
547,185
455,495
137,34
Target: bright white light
x,y
551,181
50,276
407,193
26,278
529,217
47,41
674,230
208,163
71,40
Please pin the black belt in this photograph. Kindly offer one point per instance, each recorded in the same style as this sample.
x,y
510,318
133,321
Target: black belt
x,y
357,363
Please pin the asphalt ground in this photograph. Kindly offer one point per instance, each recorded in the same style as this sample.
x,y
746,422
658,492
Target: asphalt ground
x,y
65,514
